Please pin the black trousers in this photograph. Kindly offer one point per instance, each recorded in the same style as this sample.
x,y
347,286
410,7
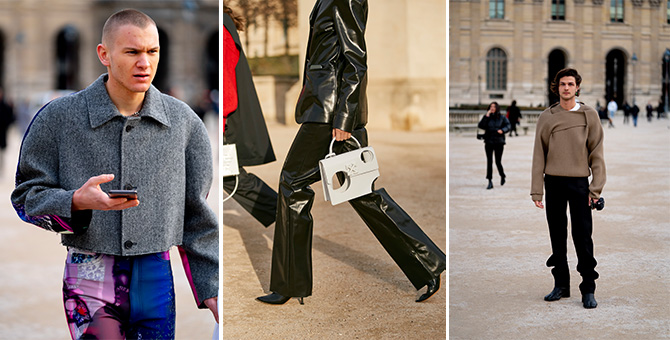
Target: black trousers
x,y
490,148
561,191
416,255
254,195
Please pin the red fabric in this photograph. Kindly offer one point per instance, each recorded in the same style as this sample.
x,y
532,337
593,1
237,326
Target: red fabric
x,y
231,55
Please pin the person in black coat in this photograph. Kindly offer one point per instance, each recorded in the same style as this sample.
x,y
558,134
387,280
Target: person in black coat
x,y
514,117
333,105
6,120
495,126
650,112
245,127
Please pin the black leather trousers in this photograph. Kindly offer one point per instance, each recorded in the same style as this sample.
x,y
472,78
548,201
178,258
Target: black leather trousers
x,y
416,255
254,195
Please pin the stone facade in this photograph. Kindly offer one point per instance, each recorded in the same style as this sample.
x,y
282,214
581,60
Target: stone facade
x,y
535,44
406,41
29,44
407,80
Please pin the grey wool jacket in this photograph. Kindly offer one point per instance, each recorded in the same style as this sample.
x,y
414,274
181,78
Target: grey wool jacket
x,y
164,153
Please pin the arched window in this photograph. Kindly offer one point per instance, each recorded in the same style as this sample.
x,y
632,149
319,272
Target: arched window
x,y
496,69
615,73
616,10
555,63
67,58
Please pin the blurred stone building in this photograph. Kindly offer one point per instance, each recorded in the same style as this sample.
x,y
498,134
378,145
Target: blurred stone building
x,y
505,50
48,45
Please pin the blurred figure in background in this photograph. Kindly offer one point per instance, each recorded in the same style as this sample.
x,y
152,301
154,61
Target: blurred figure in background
x,y
6,120
514,117
244,126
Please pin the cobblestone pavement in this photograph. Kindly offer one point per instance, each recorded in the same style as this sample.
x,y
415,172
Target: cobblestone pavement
x,y
359,292
499,243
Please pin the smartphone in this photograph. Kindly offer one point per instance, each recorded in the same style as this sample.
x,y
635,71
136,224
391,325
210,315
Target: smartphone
x,y
129,194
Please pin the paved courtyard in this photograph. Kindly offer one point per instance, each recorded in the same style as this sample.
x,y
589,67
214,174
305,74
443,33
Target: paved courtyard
x,y
359,292
499,243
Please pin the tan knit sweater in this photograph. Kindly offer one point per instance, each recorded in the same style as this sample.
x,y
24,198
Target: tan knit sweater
x,y
569,144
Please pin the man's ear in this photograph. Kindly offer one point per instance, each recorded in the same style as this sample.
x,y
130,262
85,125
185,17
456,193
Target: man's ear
x,y
103,54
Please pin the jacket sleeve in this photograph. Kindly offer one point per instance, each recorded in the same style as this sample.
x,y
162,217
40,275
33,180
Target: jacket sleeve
x,y
506,126
539,160
484,123
349,20
200,248
38,197
595,147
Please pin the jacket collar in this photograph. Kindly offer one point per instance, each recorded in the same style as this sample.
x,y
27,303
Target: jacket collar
x,y
101,109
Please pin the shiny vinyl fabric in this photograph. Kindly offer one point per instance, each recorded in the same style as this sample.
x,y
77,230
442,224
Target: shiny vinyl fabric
x,y
254,195
335,74
416,255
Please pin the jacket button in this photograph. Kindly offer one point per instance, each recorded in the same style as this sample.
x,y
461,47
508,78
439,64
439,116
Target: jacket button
x,y
128,244
128,128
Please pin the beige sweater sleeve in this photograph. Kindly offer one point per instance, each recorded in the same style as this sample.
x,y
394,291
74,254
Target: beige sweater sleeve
x,y
596,154
539,159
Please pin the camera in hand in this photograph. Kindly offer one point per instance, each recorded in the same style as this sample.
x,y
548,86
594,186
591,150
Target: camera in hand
x,y
599,204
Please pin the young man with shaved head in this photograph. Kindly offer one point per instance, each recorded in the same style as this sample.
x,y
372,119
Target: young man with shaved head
x,y
568,149
122,133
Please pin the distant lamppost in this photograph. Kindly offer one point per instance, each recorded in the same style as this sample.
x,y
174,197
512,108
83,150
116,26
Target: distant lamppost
x,y
634,60
666,60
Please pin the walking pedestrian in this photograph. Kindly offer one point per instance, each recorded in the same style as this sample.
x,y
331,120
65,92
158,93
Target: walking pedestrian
x,y
514,117
634,111
333,105
650,112
244,126
495,126
612,107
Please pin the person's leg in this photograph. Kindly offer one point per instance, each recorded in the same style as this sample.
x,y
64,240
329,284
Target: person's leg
x,y
582,229
498,148
488,148
411,249
556,205
291,274
95,295
254,195
152,298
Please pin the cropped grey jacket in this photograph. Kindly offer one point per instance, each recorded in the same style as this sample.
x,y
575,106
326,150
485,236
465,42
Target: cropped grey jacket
x,y
165,153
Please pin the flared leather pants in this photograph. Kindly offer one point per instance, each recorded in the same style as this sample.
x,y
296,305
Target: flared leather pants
x,y
416,255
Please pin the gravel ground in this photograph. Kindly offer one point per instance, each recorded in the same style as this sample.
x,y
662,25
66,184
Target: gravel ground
x,y
499,243
359,292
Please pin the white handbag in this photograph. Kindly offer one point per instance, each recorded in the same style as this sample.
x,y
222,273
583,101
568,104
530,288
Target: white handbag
x,y
358,167
230,165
